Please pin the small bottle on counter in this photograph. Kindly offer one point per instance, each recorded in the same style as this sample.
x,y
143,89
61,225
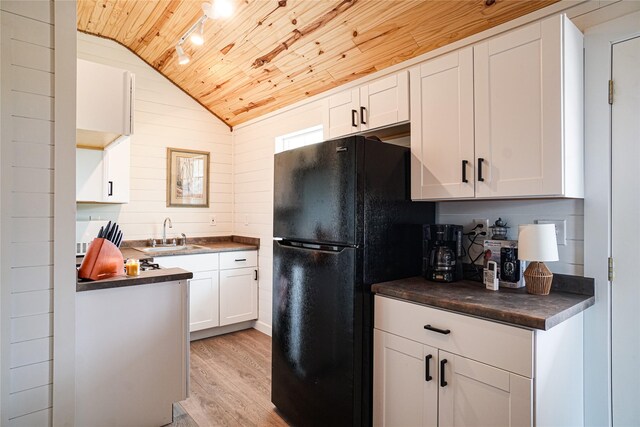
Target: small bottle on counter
x,y
491,276
133,267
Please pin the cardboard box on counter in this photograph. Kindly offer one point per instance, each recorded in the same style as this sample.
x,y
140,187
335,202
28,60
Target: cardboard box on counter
x,y
505,254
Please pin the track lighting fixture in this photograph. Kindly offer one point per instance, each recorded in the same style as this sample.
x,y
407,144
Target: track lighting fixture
x,y
183,58
213,9
197,37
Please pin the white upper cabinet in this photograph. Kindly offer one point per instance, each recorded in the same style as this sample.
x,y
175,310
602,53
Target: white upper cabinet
x,y
442,142
342,113
117,158
528,108
506,117
378,104
104,103
102,176
384,102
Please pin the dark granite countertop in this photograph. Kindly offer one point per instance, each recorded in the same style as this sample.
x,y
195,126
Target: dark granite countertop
x,y
514,306
209,245
206,248
145,277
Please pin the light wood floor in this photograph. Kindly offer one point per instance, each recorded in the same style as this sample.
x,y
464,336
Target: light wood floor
x,y
231,381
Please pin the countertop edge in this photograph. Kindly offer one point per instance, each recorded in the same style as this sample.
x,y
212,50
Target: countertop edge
x,y
483,312
569,312
157,276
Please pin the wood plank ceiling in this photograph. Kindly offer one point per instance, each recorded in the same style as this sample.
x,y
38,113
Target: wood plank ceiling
x,y
273,53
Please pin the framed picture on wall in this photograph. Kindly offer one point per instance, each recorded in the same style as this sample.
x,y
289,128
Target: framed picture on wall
x,y
187,178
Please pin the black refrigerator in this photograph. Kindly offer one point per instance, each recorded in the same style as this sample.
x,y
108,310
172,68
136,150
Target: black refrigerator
x,y
343,220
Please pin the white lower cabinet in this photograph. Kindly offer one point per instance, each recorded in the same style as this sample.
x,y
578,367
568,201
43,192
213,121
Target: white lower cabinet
x,y
238,295
224,288
437,368
405,382
476,394
203,301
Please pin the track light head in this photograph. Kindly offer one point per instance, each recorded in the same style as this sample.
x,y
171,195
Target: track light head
x,y
197,37
183,58
218,9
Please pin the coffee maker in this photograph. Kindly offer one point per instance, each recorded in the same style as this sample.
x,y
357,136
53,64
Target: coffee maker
x,y
442,252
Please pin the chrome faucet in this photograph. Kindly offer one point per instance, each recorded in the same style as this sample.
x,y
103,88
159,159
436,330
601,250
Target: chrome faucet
x,y
184,239
164,230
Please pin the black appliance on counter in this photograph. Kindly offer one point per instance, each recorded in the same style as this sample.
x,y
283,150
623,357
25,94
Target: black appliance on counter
x,y
343,220
442,252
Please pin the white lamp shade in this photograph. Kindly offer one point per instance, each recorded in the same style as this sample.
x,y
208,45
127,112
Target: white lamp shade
x,y
537,242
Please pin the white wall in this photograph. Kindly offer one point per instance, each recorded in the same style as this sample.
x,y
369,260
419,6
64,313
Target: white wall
x,y
516,212
164,117
253,149
26,199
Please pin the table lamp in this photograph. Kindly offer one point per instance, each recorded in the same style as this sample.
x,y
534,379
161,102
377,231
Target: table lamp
x,y
536,244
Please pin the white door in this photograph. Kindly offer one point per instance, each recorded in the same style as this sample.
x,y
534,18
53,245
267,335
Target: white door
x,y
474,394
442,126
405,377
343,113
384,102
238,295
117,160
518,112
203,301
625,220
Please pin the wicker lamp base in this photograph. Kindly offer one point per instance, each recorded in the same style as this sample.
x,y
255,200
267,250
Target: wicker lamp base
x,y
538,278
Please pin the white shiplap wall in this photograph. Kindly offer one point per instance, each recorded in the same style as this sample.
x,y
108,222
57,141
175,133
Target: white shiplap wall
x,y
164,117
526,212
26,156
254,147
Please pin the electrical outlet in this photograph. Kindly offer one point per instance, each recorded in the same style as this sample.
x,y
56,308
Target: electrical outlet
x,y
246,220
212,221
485,225
561,229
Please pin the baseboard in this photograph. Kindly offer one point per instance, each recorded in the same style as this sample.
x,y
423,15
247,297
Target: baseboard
x,y
262,327
221,330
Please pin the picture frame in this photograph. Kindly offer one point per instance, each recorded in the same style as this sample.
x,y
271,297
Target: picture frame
x,y
187,178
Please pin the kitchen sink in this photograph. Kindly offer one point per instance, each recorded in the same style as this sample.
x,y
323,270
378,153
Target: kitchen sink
x,y
160,249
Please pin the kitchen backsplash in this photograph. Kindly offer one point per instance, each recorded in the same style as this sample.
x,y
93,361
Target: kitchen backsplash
x,y
164,117
516,212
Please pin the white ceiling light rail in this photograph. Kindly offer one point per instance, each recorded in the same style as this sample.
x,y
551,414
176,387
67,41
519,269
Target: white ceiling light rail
x,y
215,9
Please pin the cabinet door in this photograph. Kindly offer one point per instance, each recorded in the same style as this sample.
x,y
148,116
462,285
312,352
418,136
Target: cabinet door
x,y
442,127
384,102
343,114
518,110
203,301
475,394
104,96
403,393
117,158
89,175
238,295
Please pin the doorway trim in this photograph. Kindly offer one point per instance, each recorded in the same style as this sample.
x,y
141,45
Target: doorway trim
x,y
599,42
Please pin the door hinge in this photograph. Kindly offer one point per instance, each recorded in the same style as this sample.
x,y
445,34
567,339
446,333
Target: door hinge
x,y
610,270
610,92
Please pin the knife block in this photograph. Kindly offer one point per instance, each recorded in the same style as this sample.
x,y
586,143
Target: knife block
x,y
103,260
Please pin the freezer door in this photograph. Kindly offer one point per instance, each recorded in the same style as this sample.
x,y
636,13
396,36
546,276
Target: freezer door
x,y
315,335
315,193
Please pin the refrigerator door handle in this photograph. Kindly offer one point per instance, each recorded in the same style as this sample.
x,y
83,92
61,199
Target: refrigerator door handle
x,y
311,246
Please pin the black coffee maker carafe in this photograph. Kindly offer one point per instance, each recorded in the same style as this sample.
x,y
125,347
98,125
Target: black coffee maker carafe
x,y
442,252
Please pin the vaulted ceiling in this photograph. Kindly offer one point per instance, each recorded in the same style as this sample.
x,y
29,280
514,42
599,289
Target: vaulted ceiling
x,y
272,53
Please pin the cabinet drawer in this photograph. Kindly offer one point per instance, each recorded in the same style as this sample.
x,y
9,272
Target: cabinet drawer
x,y
238,259
495,344
194,263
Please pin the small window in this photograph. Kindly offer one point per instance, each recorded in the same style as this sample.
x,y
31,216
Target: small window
x,y
298,139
